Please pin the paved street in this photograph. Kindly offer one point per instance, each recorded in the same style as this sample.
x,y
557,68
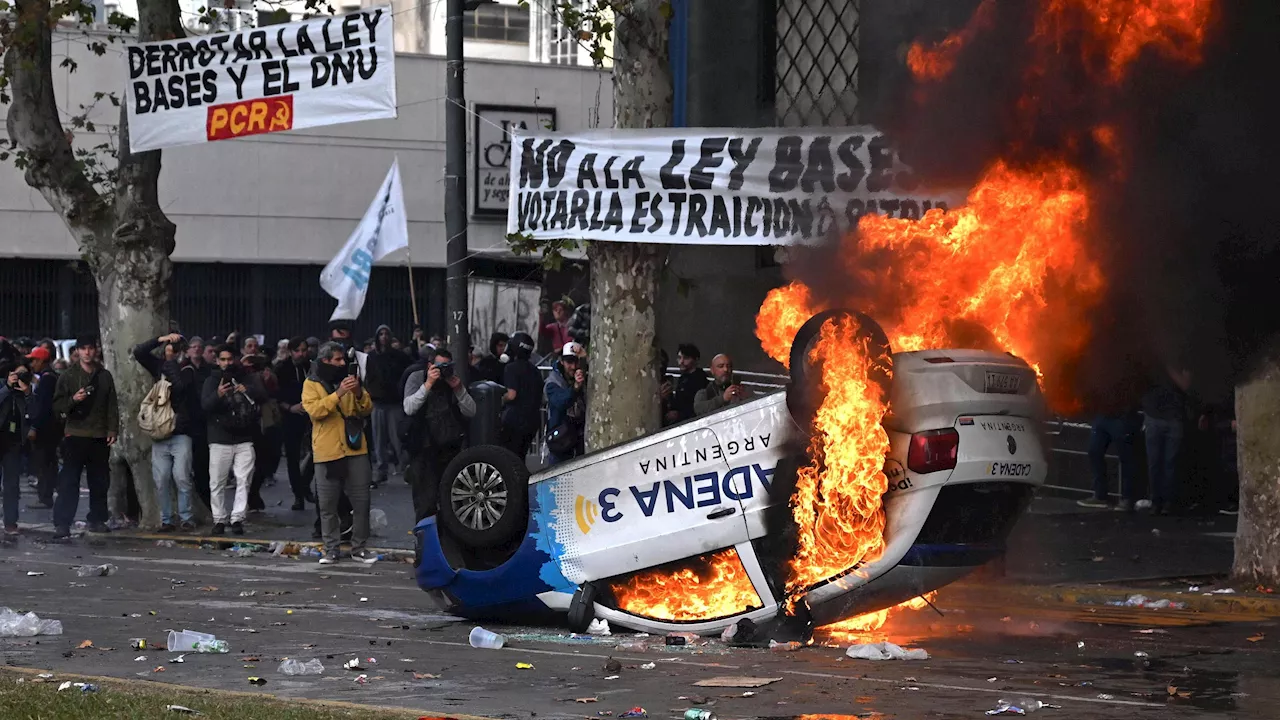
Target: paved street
x,y
978,655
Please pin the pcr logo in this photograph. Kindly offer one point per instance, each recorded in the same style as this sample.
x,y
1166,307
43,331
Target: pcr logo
x,y
585,512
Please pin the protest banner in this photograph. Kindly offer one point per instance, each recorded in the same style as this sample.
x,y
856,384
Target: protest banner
x,y
383,230
742,186
322,71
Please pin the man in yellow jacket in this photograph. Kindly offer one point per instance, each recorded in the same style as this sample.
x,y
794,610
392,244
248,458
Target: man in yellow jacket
x,y
338,405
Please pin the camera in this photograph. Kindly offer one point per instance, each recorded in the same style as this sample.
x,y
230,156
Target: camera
x,y
446,369
24,376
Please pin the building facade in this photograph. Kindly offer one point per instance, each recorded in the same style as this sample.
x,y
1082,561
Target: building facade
x,y
258,217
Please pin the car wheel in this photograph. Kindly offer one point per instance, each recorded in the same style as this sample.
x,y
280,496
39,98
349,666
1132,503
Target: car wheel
x,y
484,497
804,393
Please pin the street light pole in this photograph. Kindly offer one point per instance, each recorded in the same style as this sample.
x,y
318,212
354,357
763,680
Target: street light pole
x,y
455,192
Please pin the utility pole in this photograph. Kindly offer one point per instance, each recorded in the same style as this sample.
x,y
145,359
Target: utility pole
x,y
455,191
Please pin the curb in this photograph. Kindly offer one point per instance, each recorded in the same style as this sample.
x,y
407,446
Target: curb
x,y
155,685
1240,607
219,542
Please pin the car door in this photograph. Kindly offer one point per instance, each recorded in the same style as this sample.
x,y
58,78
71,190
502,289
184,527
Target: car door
x,y
657,499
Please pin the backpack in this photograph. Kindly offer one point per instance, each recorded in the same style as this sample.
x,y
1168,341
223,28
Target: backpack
x,y
156,416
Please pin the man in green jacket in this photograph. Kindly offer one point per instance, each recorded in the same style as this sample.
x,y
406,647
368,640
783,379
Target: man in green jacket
x,y
86,397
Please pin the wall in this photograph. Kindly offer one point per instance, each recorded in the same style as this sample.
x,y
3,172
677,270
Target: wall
x,y
295,197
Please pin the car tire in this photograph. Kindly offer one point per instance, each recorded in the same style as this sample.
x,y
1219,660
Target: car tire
x,y
484,497
804,393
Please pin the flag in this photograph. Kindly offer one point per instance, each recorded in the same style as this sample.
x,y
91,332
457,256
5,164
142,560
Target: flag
x,y
383,230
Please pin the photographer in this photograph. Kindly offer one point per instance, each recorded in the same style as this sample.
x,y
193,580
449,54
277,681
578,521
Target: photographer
x,y
86,396
13,409
44,427
232,401
438,405
171,456
337,404
566,389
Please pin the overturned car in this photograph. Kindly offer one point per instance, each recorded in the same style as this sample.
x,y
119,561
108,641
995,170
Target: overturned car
x,y
709,497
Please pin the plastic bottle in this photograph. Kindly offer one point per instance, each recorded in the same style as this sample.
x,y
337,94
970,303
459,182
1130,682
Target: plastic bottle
x,y
699,714
190,640
293,666
309,551
481,638
1011,706
96,570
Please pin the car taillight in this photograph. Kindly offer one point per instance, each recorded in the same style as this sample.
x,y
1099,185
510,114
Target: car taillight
x,y
933,450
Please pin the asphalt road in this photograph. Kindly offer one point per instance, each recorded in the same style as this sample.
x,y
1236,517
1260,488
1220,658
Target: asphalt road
x,y
977,656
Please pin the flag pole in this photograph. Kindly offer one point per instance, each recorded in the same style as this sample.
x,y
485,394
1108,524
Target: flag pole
x,y
413,297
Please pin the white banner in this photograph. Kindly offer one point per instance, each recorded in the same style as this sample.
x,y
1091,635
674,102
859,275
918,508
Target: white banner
x,y
708,186
383,230
317,72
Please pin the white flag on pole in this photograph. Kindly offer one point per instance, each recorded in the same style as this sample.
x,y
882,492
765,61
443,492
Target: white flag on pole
x,y
383,230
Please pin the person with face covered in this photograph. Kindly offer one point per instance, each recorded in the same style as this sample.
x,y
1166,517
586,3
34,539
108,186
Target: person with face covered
x,y
491,365
337,403
383,368
439,406
724,389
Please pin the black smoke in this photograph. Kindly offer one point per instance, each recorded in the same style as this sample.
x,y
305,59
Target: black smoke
x,y
1188,234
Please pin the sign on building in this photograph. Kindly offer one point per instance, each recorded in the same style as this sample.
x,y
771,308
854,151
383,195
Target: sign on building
x,y
706,186
493,126
322,71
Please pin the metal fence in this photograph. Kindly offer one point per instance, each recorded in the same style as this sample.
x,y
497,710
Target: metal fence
x,y
816,62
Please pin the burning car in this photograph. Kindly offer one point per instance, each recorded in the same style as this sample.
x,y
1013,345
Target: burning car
x,y
869,481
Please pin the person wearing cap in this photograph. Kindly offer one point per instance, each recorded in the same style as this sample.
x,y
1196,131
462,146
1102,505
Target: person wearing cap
x,y
566,390
86,396
44,427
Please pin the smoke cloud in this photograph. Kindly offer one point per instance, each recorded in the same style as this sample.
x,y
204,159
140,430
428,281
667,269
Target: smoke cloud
x,y
1182,184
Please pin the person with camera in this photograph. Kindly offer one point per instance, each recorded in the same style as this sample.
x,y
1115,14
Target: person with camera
x,y
338,405
566,389
86,396
438,406
44,427
232,400
14,395
724,388
171,457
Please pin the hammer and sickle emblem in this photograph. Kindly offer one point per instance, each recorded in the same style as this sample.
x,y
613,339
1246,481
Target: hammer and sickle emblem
x,y
282,119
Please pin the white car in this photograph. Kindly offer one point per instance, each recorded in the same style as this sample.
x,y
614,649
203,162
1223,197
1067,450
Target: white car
x,y
966,456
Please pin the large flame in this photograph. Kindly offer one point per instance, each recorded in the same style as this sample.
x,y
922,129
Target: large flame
x,y
712,586
837,500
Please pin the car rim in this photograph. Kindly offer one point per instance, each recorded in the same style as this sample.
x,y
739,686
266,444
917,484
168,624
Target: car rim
x,y
479,496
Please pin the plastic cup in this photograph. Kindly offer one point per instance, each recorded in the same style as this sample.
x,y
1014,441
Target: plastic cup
x,y
186,640
481,638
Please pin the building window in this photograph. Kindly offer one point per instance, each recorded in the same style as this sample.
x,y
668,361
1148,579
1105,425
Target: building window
x,y
498,23
562,46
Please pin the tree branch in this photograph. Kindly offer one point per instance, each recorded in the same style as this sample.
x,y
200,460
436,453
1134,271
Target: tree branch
x,y
35,129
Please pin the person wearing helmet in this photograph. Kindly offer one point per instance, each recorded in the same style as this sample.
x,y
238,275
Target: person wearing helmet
x,y
522,403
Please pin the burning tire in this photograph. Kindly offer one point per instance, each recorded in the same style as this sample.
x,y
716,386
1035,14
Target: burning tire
x,y
484,497
804,393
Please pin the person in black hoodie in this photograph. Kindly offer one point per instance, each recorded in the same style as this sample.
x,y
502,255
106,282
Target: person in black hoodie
x,y
382,373
290,374
490,366
171,456
231,400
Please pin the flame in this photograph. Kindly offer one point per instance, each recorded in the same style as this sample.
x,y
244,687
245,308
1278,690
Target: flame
x,y
1114,32
837,500
711,586
862,629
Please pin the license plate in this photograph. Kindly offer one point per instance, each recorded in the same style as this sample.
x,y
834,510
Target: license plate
x,y
1002,383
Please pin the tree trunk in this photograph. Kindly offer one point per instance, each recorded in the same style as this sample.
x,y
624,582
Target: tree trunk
x,y
623,384
126,239
1257,560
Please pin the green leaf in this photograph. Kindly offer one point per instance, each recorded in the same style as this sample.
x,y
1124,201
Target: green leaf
x,y
666,10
